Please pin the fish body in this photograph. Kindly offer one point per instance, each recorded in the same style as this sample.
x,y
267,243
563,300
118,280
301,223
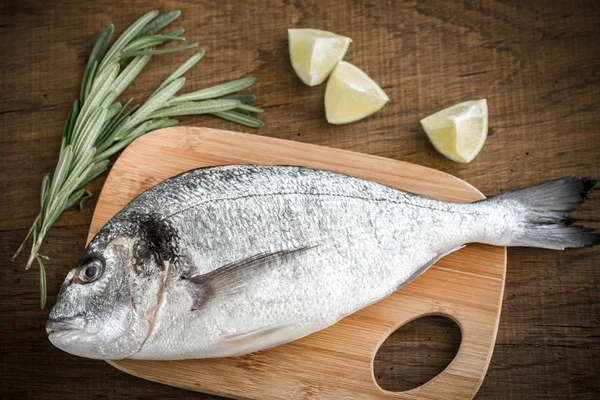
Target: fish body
x,y
224,261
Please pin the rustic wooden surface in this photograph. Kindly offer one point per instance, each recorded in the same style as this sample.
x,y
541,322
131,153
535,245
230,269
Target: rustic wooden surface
x,y
536,63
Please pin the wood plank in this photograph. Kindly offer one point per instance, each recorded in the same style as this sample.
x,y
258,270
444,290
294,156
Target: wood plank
x,y
535,62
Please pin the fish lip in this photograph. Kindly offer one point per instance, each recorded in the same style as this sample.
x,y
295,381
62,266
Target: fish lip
x,y
63,325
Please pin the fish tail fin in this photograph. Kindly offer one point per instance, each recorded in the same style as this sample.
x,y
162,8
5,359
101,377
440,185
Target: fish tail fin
x,y
543,209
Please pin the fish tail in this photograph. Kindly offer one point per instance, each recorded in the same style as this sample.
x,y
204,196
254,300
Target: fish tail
x,y
541,214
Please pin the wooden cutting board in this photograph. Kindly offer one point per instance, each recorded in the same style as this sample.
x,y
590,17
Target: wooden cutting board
x,y
336,363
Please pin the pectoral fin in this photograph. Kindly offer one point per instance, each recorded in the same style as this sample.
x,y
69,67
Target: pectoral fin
x,y
231,278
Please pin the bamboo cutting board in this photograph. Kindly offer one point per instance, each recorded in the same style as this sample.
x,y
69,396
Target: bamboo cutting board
x,y
336,363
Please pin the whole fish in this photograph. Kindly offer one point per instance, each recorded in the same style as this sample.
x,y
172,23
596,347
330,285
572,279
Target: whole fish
x,y
229,260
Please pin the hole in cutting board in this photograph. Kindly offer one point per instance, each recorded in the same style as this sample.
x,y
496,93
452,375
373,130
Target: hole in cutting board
x,y
416,352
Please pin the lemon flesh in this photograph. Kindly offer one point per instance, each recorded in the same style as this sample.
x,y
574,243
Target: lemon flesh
x,y
314,53
351,95
458,132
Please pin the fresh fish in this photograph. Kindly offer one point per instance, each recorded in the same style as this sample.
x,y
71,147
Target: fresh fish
x,y
229,260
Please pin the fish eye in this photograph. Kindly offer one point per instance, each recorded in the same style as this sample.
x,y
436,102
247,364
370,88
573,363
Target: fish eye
x,y
91,270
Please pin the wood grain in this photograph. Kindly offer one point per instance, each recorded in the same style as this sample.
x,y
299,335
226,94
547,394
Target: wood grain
x,y
536,63
466,286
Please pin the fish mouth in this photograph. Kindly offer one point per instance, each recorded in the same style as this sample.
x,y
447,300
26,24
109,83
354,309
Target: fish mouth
x,y
61,326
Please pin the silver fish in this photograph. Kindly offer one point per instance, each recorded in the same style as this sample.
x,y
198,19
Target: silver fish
x,y
229,260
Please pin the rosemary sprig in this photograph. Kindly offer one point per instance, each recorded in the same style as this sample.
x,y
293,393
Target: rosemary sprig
x,y
98,126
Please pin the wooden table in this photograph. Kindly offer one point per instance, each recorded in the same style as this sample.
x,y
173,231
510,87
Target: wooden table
x,y
535,62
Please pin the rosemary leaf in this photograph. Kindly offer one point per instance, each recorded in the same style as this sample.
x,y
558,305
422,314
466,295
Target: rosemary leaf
x,y
242,98
75,116
54,211
86,196
118,133
89,81
215,91
127,103
249,109
161,124
108,100
113,111
148,41
160,22
74,198
42,282
61,172
196,107
176,32
65,134
78,168
92,129
121,144
142,44
129,34
156,52
96,55
55,208
137,132
102,86
240,118
128,75
80,196
100,81
45,187
97,169
157,101
108,137
167,37
46,182
95,99
185,67
36,229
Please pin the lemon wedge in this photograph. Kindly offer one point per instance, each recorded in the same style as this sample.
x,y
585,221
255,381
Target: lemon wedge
x,y
458,132
314,53
351,95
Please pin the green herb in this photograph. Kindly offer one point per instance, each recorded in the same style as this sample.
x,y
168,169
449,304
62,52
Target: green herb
x,y
98,126
42,280
240,118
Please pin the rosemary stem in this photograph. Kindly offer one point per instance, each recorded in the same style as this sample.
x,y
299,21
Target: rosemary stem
x,y
26,238
35,250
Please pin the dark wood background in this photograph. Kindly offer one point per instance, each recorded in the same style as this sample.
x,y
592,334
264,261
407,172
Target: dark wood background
x,y
537,63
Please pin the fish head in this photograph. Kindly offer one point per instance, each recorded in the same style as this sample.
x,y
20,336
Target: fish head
x,y
107,303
